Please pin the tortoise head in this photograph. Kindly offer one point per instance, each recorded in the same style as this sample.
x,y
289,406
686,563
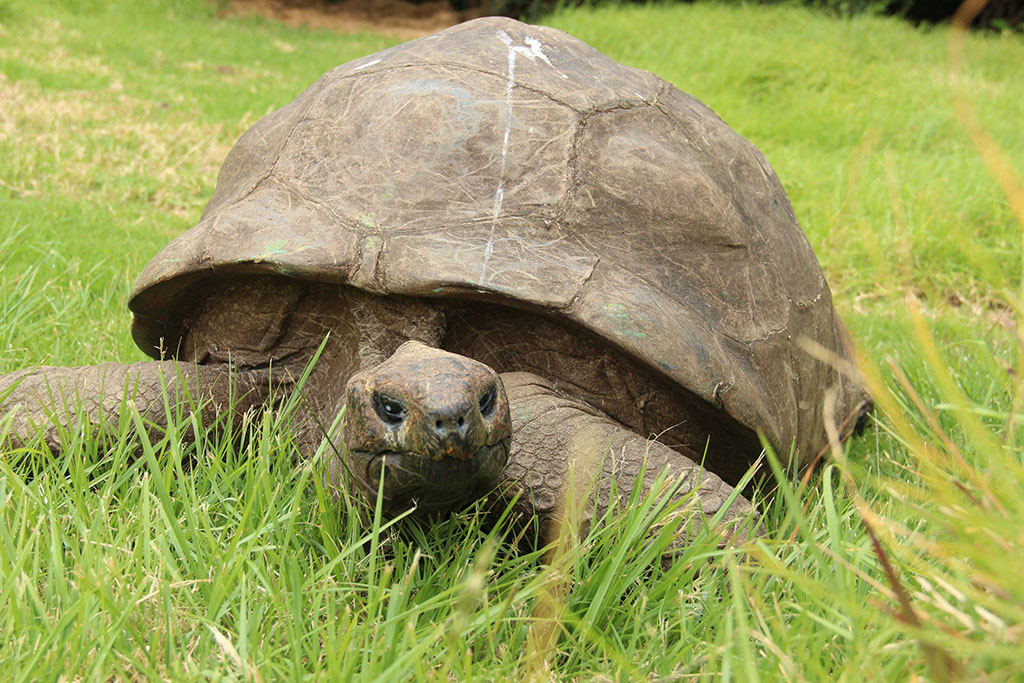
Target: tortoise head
x,y
434,425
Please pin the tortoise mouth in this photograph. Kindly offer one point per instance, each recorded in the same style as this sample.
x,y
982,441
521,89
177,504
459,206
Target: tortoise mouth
x,y
430,485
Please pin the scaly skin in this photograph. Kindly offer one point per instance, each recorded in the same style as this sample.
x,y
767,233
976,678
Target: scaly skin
x,y
567,453
52,400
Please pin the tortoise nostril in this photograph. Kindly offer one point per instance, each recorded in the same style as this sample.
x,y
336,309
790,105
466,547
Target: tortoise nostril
x,y
450,425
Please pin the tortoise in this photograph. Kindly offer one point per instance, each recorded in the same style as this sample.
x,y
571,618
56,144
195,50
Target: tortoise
x,y
513,260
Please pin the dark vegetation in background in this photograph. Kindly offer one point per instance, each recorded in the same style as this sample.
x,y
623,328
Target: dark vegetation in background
x,y
997,14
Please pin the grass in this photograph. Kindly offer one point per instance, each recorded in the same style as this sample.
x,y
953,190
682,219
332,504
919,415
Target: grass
x,y
114,121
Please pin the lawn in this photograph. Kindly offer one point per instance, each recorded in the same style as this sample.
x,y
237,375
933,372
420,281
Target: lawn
x,y
901,557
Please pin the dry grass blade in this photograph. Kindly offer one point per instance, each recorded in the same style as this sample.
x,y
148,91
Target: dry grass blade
x,y
943,667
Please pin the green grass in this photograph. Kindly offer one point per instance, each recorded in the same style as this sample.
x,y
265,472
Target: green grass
x,y
224,559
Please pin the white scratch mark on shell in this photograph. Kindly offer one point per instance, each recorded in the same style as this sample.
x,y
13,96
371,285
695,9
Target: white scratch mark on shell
x,y
531,49
369,63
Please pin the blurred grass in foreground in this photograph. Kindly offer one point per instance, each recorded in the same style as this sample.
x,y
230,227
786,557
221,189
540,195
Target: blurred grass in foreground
x,y
225,560
966,602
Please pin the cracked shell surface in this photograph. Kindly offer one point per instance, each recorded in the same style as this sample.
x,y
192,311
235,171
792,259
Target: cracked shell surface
x,y
514,163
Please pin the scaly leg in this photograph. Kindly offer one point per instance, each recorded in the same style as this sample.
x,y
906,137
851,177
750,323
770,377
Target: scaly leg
x,y
50,400
563,449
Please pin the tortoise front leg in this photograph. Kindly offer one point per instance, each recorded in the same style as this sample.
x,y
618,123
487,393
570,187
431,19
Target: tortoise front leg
x,y
566,454
48,401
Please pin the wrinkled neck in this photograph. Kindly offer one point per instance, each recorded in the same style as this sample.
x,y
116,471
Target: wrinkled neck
x,y
382,324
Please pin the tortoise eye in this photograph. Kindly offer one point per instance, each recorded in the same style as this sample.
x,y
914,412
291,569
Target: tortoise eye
x,y
391,410
488,401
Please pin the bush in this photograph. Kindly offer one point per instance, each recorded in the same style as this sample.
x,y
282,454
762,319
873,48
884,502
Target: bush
x,y
997,14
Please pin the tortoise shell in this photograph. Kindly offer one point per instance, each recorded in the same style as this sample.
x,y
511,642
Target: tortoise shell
x,y
513,163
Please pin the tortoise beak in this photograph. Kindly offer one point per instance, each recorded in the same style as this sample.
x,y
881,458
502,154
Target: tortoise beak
x,y
411,480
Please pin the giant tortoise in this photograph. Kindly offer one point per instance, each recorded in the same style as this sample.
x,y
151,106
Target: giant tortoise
x,y
513,260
